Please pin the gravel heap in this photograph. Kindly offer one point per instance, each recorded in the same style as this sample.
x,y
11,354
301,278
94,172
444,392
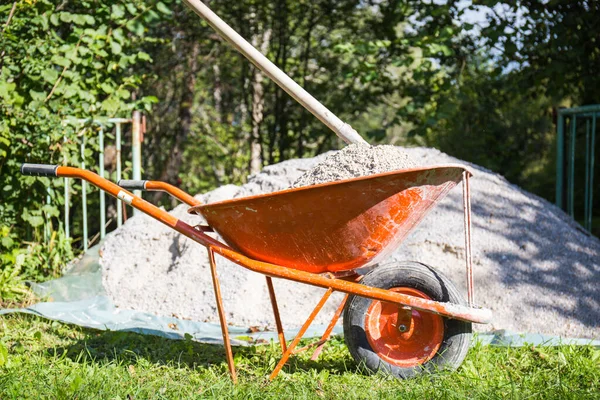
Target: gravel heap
x,y
534,266
356,160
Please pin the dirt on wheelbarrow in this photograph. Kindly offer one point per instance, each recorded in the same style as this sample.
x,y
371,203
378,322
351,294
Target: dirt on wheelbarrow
x,y
535,267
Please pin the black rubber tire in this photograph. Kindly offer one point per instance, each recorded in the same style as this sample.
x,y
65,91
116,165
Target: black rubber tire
x,y
457,334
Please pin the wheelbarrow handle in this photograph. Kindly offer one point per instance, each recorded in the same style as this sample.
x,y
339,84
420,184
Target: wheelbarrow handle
x,y
157,186
39,169
132,184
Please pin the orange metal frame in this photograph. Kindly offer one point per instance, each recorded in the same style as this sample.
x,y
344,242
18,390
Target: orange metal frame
x,y
346,284
156,186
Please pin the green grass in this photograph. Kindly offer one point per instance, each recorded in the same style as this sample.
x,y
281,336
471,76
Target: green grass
x,y
45,359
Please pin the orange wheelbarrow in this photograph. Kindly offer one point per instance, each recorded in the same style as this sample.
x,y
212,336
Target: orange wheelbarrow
x,y
402,318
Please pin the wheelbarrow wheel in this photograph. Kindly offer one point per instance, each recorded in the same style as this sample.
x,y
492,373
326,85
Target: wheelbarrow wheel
x,y
405,343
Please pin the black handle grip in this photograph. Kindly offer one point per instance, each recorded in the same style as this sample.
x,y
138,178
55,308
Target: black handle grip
x,y
39,170
132,184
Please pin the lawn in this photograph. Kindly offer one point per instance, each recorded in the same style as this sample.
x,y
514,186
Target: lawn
x,y
41,358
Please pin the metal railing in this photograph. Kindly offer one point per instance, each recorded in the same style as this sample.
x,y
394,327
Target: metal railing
x,y
568,121
136,158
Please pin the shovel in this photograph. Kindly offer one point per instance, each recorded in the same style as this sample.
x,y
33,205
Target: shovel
x,y
342,129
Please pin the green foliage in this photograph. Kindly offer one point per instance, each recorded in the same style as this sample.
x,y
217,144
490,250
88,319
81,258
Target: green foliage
x,y
485,92
77,59
29,261
554,46
213,108
487,120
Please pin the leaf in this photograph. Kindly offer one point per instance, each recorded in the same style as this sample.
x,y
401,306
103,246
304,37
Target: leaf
x,y
123,93
117,11
50,210
76,383
3,355
72,55
66,17
7,242
35,220
131,8
50,75
115,47
150,99
143,56
151,16
107,88
160,6
62,61
118,35
37,96
595,355
136,27
70,91
111,105
54,19
6,89
78,19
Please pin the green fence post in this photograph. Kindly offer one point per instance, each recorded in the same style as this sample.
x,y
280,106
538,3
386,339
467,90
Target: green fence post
x,y
102,194
571,181
560,159
591,182
118,148
67,201
84,196
136,150
586,197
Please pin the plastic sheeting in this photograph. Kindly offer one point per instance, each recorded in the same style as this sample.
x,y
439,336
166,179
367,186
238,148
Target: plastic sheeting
x,y
79,298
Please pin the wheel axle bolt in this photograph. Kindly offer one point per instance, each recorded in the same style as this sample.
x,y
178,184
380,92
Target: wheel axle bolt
x,y
402,328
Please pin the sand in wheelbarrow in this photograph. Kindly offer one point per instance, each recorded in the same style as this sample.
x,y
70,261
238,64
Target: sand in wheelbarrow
x,y
534,266
356,160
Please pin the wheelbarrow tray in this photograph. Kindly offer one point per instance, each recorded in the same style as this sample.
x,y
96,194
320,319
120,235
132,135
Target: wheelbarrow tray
x,y
335,226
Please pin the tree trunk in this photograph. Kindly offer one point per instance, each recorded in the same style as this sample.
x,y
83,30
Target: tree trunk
x,y
305,72
217,93
258,102
173,163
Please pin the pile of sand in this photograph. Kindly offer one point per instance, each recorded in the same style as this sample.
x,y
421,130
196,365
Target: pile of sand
x,y
534,266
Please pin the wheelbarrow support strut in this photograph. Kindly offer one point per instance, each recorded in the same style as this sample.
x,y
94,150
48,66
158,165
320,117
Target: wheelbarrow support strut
x,y
329,282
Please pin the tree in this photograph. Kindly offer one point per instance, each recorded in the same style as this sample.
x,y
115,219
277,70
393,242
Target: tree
x,y
59,61
554,45
341,51
485,92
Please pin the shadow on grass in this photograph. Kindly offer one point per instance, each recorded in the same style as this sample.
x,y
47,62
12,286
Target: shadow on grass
x,y
335,366
120,347
105,347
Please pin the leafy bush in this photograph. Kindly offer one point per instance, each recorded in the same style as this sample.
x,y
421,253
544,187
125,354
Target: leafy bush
x,y
72,59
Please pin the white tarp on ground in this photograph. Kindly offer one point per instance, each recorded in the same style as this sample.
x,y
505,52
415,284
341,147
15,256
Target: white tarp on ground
x,y
79,298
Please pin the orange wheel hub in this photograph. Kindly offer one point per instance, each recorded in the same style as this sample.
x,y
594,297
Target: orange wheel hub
x,y
402,337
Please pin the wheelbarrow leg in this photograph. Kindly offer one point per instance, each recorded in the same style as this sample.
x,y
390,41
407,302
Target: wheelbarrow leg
x,y
301,333
226,342
468,255
276,314
327,333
